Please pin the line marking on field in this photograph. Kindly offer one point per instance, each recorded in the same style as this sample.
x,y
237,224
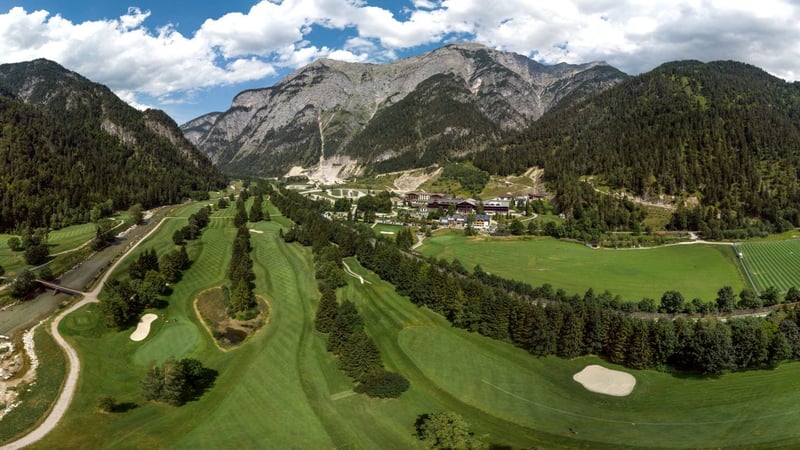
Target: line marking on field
x,y
600,419
343,394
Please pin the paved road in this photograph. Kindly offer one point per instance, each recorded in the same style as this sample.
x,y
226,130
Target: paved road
x,y
74,363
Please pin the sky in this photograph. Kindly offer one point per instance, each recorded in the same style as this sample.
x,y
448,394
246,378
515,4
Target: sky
x,y
192,57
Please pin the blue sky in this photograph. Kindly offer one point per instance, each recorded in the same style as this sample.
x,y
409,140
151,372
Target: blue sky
x,y
191,57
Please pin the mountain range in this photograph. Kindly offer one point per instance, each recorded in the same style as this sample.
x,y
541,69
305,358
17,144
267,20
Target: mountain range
x,y
69,145
721,138
380,117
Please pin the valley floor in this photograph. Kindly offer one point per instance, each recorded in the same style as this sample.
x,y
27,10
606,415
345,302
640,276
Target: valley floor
x,y
282,389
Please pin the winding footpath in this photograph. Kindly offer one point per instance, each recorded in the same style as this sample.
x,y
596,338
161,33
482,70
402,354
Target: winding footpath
x,y
70,384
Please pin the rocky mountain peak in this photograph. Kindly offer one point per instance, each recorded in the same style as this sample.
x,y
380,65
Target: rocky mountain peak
x,y
332,107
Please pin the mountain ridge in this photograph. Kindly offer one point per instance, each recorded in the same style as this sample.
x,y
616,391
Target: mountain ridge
x,y
723,134
277,127
69,145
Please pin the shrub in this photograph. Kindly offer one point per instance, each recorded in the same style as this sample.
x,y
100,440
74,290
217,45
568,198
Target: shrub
x,y
383,384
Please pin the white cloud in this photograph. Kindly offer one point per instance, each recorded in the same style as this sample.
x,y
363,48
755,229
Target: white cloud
x,y
273,36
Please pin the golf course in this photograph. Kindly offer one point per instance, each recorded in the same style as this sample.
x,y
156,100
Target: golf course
x,y
694,270
282,389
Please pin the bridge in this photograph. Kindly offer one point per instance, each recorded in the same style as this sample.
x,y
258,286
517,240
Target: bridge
x,y
59,288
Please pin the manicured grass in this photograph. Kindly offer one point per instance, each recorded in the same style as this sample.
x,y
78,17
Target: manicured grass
x,y
282,389
510,397
264,393
70,237
772,263
694,270
62,240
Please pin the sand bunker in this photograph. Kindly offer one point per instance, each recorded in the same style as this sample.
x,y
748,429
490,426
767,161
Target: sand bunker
x,y
256,231
605,381
143,327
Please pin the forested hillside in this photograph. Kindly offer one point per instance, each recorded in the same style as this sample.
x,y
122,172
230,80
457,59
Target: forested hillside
x,y
411,130
68,145
725,132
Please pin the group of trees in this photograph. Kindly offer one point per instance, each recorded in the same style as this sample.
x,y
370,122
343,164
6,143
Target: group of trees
x,y
177,382
125,300
368,205
358,356
104,233
405,238
546,321
36,252
192,231
257,210
726,301
242,301
446,430
34,243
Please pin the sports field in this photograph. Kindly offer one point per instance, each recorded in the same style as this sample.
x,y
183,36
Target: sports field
x,y
772,263
694,270
282,389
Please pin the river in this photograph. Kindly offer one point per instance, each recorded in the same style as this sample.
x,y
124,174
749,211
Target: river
x,y
27,313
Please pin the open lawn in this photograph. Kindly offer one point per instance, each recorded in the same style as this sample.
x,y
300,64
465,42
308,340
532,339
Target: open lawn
x,y
694,270
772,263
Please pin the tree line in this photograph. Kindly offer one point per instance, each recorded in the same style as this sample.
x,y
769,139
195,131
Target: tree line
x,y
242,301
550,322
124,300
357,354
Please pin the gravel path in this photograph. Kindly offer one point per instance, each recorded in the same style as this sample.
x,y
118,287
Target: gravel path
x,y
71,382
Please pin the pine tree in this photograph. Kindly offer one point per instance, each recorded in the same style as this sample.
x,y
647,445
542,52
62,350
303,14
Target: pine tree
x,y
327,311
256,213
347,322
359,356
640,353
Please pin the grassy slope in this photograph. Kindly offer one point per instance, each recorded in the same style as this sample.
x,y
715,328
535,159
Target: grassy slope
x,y
510,397
631,273
274,391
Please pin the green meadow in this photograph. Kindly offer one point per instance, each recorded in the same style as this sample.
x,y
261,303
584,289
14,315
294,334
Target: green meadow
x,y
694,270
282,389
